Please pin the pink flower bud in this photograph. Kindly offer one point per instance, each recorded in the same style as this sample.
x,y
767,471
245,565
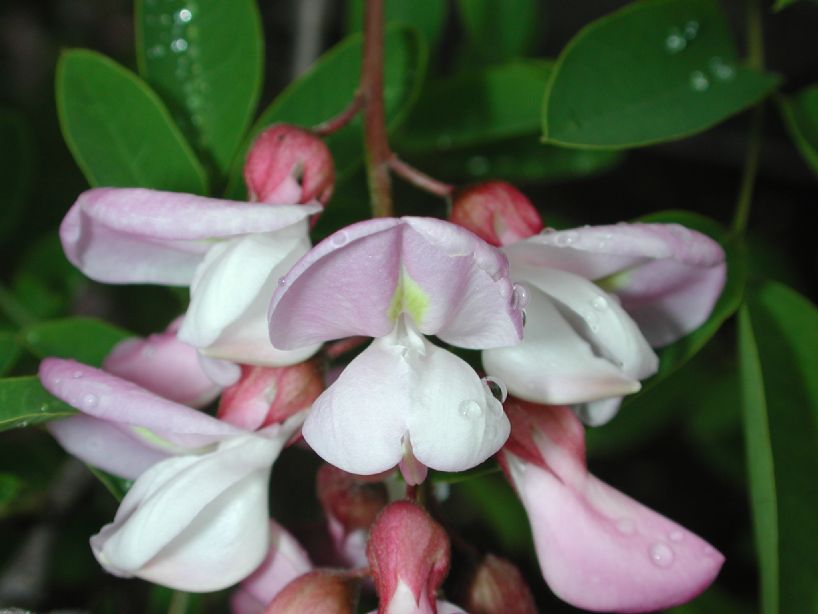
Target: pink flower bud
x,y
498,587
289,165
351,504
270,395
409,558
497,212
321,591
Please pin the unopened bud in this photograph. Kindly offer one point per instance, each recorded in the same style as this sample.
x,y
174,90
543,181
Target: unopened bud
x,y
498,587
409,558
270,395
289,165
497,212
321,591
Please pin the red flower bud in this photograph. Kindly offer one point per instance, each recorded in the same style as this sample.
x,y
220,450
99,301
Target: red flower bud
x,y
409,558
289,165
321,591
498,587
497,212
270,395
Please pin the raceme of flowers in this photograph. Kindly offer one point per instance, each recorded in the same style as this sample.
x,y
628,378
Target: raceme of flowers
x,y
563,318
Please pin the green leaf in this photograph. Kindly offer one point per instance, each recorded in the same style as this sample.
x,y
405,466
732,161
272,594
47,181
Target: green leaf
x,y
478,107
10,487
16,160
118,130
800,114
671,357
117,486
499,31
651,72
778,334
520,160
427,16
9,351
495,503
23,402
84,339
782,4
205,60
329,86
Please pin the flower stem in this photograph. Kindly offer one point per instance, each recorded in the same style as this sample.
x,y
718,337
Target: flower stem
x,y
334,124
376,143
420,179
755,59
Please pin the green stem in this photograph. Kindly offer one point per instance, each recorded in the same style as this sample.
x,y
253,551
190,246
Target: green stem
x,y
179,602
755,59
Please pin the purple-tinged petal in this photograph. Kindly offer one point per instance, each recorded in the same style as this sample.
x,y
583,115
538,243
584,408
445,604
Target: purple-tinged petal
x,y
599,412
231,292
361,279
554,364
116,400
195,522
164,365
132,235
222,372
104,445
403,387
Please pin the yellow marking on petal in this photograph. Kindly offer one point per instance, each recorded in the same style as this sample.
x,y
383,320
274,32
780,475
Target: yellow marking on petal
x,y
409,298
613,282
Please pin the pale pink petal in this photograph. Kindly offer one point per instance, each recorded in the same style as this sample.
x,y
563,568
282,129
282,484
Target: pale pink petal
x,y
359,280
133,235
599,412
443,607
104,445
165,365
554,364
196,522
222,372
110,398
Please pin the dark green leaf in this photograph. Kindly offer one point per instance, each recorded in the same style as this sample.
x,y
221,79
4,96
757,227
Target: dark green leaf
x,y
782,4
10,487
16,160
677,353
499,31
495,503
205,60
478,107
118,130
84,339
427,16
651,72
9,351
329,86
23,402
520,160
117,486
801,118
778,334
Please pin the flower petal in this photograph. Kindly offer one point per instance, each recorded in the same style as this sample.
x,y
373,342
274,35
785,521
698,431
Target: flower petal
x,y
599,412
362,278
554,364
231,292
110,398
195,522
132,235
104,445
601,550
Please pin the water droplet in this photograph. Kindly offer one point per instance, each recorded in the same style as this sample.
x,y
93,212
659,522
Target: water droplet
x,y
676,536
548,230
470,409
721,69
157,51
519,297
564,239
661,555
184,15
592,320
497,388
44,407
524,317
675,42
478,165
339,238
599,303
282,281
691,29
699,81
76,374
626,526
179,45
90,400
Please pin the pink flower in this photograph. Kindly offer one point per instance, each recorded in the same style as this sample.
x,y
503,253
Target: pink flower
x,y
598,549
403,399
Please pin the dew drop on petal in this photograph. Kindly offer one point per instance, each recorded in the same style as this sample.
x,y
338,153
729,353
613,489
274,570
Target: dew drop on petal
x,y
675,42
676,536
90,400
179,45
661,555
519,297
470,409
184,15
282,281
339,239
599,303
497,388
76,374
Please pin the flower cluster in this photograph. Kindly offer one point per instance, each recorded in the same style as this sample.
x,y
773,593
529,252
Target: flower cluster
x,y
567,322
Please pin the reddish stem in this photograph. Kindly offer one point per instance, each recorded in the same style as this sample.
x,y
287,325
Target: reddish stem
x,y
420,179
334,124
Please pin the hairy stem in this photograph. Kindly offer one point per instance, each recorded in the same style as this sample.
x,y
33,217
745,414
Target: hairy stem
x,y
420,179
